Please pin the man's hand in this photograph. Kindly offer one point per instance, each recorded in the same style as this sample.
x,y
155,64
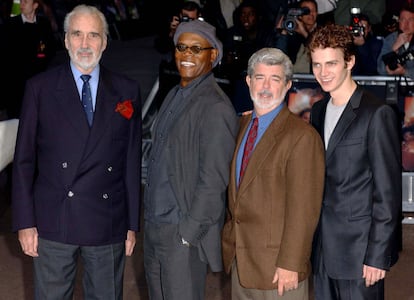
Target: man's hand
x,y
402,38
173,25
301,29
372,275
286,280
400,70
130,243
29,240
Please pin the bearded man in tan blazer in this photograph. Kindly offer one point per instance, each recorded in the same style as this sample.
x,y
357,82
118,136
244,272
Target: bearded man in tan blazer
x,y
274,204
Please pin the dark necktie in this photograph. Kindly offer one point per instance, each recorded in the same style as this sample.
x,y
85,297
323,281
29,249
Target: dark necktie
x,y
248,147
87,98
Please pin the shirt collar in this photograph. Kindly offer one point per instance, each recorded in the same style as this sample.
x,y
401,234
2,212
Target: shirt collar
x,y
26,20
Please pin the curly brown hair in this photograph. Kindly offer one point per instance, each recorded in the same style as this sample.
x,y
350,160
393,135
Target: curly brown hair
x,y
333,36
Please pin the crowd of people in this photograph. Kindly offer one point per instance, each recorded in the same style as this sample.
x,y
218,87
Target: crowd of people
x,y
266,197
374,28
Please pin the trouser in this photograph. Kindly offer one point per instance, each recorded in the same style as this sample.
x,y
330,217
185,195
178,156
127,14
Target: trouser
x,y
173,271
55,271
238,292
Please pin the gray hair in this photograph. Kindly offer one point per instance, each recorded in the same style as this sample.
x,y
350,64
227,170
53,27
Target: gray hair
x,y
270,57
86,10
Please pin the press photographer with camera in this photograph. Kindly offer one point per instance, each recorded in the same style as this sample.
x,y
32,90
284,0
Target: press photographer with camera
x,y
189,10
299,22
397,53
367,45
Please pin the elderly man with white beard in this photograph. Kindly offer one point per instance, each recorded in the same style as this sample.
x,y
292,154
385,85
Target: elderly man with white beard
x,y
275,190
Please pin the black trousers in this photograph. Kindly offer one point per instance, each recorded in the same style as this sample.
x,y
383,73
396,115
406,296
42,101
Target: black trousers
x,y
173,271
55,271
326,287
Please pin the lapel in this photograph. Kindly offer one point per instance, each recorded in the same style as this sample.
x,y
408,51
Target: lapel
x,y
344,121
244,122
106,100
70,105
264,148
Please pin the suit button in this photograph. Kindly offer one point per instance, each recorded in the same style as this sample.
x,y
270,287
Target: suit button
x,y
237,221
109,169
64,165
71,194
105,196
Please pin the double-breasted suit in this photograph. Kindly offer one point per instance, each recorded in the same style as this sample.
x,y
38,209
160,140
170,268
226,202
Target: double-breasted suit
x,y
76,184
273,213
362,198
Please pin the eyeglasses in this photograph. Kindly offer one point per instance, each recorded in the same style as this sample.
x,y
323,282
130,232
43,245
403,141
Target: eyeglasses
x,y
194,49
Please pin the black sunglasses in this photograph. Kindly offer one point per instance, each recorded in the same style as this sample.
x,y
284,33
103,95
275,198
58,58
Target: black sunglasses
x,y
194,49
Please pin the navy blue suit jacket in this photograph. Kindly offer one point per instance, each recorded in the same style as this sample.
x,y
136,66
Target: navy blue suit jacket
x,y
77,185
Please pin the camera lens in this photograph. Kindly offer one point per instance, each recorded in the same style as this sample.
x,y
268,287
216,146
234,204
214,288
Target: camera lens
x,y
289,25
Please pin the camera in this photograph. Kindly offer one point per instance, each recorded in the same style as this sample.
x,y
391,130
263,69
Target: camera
x,y
293,13
185,19
355,28
392,59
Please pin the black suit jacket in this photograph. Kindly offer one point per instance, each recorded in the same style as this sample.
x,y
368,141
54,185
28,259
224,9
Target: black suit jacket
x,y
77,185
362,199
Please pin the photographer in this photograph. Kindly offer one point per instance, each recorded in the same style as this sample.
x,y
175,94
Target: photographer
x,y
368,47
298,34
164,44
396,56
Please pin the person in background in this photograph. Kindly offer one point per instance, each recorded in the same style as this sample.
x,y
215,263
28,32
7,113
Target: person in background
x,y
30,46
275,190
185,193
398,47
76,170
296,39
220,14
368,48
250,33
306,24
188,11
356,241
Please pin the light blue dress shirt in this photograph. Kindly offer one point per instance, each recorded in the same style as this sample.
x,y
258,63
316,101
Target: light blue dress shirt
x,y
93,82
264,122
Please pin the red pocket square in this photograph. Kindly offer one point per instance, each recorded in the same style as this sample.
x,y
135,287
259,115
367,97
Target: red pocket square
x,y
125,109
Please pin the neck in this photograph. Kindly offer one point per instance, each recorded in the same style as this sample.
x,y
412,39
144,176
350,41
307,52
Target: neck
x,y
342,95
30,17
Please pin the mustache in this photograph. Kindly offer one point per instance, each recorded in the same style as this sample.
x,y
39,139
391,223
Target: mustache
x,y
265,93
85,51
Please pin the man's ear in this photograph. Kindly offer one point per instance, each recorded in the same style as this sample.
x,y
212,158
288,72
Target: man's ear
x,y
351,63
214,55
248,80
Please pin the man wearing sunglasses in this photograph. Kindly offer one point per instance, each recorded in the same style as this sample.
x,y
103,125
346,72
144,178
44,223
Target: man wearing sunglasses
x,y
193,143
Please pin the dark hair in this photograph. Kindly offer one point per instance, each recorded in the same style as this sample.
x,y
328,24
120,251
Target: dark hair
x,y
311,1
408,6
333,36
191,6
249,3
364,17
